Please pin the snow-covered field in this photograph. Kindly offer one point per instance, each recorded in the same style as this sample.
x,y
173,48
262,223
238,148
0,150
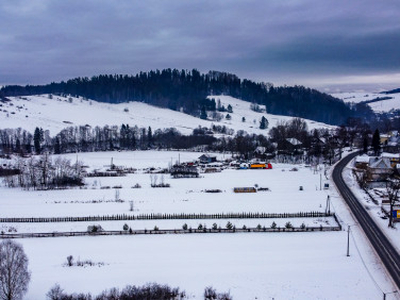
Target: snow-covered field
x,y
39,111
184,196
379,106
309,265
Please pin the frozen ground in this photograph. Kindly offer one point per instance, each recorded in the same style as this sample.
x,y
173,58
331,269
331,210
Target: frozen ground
x,y
249,265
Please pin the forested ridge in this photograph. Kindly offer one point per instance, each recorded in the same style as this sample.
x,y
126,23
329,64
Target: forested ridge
x,y
187,91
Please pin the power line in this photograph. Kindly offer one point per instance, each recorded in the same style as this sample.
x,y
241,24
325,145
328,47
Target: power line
x,y
365,265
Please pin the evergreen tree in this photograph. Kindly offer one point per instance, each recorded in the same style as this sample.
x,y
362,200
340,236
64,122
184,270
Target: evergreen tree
x,y
376,142
36,140
263,123
203,113
219,107
229,109
57,146
365,145
18,146
149,136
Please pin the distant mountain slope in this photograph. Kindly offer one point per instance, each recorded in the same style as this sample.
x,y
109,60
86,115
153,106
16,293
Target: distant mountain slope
x,y
379,102
186,91
394,91
59,112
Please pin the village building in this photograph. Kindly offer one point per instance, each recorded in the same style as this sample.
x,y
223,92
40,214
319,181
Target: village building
x,y
379,169
293,145
207,158
184,171
362,161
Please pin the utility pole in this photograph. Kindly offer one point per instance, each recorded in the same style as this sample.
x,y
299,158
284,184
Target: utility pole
x,y
348,241
320,181
328,205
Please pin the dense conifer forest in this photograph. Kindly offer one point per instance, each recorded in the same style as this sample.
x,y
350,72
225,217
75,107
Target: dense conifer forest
x,y
186,91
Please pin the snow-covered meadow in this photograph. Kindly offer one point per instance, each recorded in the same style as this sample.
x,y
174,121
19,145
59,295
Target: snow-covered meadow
x,y
30,112
378,106
290,265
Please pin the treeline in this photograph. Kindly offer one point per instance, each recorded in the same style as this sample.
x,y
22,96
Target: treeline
x,y
186,91
107,138
286,139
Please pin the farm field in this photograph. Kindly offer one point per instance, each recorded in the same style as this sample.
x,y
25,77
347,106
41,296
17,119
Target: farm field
x,y
289,265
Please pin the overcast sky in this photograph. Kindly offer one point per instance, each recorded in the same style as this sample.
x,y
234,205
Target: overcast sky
x,y
321,44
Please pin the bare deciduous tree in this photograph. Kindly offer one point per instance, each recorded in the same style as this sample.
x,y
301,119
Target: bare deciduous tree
x,y
392,190
14,274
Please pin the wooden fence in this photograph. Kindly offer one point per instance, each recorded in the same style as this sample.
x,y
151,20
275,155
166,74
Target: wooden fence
x,y
125,217
168,231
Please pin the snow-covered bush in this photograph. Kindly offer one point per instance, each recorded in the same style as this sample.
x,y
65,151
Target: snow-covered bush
x,y
70,260
288,225
148,291
210,294
229,225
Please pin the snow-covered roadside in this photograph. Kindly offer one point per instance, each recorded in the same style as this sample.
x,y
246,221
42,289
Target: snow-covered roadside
x,y
359,244
373,209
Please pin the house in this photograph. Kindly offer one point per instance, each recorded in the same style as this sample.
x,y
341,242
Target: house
x,y
362,162
379,169
397,171
260,152
384,138
294,142
394,158
184,171
393,144
206,158
291,146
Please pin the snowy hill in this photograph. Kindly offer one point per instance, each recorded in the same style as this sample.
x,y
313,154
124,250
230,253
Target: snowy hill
x,y
388,102
59,112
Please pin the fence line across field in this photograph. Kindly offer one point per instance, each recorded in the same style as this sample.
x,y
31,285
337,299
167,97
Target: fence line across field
x,y
167,231
125,217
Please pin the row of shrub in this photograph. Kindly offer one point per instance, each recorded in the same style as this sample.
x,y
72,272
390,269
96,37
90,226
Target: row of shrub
x,y
230,226
148,291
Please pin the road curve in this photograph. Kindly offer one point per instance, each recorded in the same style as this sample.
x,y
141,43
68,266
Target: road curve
x,y
387,253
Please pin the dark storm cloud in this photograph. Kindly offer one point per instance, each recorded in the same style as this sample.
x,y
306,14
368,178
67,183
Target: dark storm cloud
x,y
44,40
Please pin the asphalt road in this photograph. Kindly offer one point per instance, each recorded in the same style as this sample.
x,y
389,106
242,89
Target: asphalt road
x,y
387,253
